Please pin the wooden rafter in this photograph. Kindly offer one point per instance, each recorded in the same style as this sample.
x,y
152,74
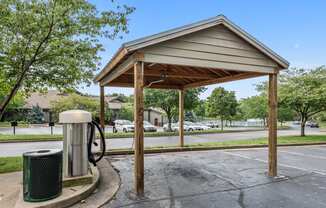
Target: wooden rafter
x,y
223,79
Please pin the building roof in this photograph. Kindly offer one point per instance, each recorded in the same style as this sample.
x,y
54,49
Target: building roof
x,y
44,100
129,47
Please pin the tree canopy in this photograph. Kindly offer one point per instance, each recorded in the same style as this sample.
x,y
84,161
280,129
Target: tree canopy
x,y
222,103
255,107
75,101
54,43
304,91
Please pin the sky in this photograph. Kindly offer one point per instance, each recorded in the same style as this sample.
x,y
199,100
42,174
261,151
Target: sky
x,y
295,29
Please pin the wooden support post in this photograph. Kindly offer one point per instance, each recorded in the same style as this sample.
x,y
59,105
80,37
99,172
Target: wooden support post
x,y
139,130
102,112
272,125
102,108
181,117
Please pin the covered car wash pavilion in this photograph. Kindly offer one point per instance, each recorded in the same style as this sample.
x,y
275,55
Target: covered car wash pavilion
x,y
207,52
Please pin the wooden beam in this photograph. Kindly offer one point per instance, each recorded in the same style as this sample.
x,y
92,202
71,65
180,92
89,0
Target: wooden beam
x,y
224,79
155,86
215,72
102,108
272,125
122,68
181,116
109,66
139,130
116,72
190,75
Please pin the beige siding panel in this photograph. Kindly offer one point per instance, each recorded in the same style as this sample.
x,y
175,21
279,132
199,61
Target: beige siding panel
x,y
208,56
212,49
221,33
218,42
163,59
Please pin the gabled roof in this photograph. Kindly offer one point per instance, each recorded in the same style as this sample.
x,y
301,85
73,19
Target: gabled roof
x,y
131,46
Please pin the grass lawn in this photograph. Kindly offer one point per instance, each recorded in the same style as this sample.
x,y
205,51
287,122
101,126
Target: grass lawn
x,y
10,164
5,137
8,124
261,141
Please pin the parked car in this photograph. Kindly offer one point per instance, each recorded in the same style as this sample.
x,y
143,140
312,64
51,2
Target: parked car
x,y
312,124
211,124
123,126
296,123
203,126
195,126
175,127
148,127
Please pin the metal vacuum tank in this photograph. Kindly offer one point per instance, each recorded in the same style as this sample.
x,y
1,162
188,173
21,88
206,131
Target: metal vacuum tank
x,y
75,126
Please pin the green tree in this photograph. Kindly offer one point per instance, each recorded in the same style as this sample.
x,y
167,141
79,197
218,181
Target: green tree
x,y
222,104
36,116
168,100
255,107
200,110
304,91
126,112
53,43
75,101
285,114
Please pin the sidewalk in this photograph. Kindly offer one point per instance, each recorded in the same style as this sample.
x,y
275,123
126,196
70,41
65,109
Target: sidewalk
x,y
10,188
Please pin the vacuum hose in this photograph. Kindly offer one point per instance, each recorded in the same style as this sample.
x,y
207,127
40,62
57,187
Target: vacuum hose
x,y
91,140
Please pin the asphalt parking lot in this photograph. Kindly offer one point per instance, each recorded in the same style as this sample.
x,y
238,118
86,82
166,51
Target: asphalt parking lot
x,y
226,179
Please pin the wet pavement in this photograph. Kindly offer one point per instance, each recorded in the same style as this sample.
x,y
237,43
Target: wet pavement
x,y
226,179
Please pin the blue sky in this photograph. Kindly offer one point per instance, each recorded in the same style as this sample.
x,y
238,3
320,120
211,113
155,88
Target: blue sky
x,y
294,29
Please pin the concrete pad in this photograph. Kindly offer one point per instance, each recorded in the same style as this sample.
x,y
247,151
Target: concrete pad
x,y
107,188
225,178
69,196
10,184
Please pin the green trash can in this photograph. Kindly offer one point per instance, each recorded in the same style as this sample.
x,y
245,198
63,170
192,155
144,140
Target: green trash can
x,y
42,175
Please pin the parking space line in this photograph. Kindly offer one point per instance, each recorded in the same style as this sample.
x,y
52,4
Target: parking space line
x,y
304,155
279,164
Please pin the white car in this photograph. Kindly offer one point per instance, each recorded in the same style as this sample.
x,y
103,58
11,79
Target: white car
x,y
175,127
211,124
203,126
195,126
148,127
123,126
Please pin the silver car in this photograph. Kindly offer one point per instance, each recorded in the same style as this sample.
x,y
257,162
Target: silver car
x,y
123,126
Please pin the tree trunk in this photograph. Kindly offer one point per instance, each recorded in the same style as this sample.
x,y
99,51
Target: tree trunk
x,y
4,104
303,126
169,123
221,124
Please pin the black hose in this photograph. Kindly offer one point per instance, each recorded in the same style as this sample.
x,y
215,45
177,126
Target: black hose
x,y
89,144
91,140
102,140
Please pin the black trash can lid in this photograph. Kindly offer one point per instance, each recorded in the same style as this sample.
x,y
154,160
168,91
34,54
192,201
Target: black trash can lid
x,y
42,152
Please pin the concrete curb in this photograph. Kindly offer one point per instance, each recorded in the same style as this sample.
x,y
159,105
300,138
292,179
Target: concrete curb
x,y
64,201
187,149
109,185
22,140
